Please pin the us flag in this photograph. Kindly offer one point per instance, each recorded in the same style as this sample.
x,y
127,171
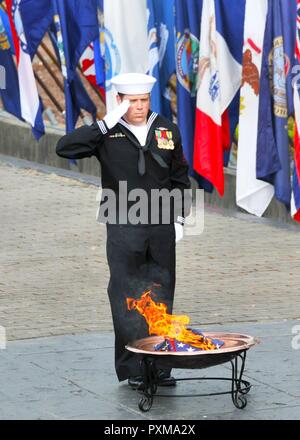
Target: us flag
x,y
173,345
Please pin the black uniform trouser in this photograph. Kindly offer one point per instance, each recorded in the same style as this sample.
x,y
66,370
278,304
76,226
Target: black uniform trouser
x,y
138,257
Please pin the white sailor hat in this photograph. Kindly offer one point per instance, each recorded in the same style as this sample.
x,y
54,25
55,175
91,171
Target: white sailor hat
x,y
133,83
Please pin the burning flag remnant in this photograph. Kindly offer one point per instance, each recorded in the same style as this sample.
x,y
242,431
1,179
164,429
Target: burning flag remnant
x,y
178,337
170,344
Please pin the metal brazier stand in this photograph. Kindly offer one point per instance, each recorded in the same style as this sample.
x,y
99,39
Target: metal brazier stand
x,y
234,351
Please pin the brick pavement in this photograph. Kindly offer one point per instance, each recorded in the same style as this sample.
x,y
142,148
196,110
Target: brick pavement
x,y
53,272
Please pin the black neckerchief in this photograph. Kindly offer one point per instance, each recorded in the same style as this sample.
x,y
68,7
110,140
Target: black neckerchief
x,y
143,149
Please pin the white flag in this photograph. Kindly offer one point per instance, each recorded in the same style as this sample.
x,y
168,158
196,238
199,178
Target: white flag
x,y
219,81
31,110
126,40
251,194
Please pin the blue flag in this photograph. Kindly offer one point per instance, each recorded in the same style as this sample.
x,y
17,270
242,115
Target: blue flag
x,y
5,23
9,83
187,23
161,52
289,20
76,96
164,13
76,26
230,23
153,58
296,194
36,19
273,158
99,53
295,202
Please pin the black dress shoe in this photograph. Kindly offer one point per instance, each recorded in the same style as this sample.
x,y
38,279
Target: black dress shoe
x,y
136,382
164,380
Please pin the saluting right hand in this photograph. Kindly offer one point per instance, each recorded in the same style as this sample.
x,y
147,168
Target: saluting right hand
x,y
112,118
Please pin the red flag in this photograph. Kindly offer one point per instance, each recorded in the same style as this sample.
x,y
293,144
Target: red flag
x,y
219,80
295,199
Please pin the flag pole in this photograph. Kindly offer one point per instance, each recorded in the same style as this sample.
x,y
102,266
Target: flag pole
x,y
55,78
50,54
47,65
51,96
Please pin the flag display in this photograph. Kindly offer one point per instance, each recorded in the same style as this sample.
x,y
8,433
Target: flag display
x,y
6,27
126,41
76,96
188,16
153,57
161,52
252,194
87,64
295,198
76,26
36,19
273,157
9,87
219,79
187,26
99,52
232,62
31,106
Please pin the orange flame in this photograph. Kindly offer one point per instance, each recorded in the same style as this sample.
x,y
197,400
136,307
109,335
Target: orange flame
x,y
163,324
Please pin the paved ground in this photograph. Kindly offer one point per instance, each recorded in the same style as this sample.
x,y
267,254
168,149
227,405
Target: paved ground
x,y
53,279
54,273
71,377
